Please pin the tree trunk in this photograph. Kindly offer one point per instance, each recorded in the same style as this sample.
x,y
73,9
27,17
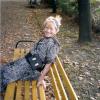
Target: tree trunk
x,y
54,6
84,21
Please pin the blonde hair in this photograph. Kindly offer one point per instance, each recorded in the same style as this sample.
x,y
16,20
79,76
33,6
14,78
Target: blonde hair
x,y
55,20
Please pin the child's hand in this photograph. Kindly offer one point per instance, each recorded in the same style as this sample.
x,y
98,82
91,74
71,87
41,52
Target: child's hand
x,y
41,83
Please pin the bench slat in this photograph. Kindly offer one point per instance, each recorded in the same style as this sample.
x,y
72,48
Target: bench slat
x,y
59,83
18,53
42,93
54,84
70,90
34,90
22,52
19,90
27,90
10,91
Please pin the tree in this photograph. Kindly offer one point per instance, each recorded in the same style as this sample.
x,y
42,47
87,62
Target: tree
x,y
54,6
85,25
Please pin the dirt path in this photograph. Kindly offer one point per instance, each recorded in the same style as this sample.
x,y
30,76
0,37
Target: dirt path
x,y
82,63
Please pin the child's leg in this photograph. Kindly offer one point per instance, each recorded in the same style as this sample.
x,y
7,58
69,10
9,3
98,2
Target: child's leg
x,y
6,75
33,75
3,82
14,71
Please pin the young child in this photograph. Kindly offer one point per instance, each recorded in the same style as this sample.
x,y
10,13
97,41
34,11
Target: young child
x,y
36,64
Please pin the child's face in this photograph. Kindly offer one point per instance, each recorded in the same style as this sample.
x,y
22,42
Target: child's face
x,y
49,30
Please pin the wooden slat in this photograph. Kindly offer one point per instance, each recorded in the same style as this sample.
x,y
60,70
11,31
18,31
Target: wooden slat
x,y
9,95
22,52
59,83
19,90
41,93
34,90
27,90
54,84
70,90
16,54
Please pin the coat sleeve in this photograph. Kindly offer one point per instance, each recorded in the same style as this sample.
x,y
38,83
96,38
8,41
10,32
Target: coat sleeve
x,y
52,52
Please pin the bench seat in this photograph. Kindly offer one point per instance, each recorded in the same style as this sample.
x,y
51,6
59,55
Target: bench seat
x,y
27,90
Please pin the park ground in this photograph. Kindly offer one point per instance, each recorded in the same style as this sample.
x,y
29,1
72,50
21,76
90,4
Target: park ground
x,y
81,61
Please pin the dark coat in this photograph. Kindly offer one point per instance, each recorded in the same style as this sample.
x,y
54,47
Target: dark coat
x,y
20,69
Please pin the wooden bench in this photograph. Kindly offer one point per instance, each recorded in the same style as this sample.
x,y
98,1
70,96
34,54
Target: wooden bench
x,y
62,87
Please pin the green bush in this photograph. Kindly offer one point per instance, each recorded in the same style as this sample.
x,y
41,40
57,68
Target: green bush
x,y
68,7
